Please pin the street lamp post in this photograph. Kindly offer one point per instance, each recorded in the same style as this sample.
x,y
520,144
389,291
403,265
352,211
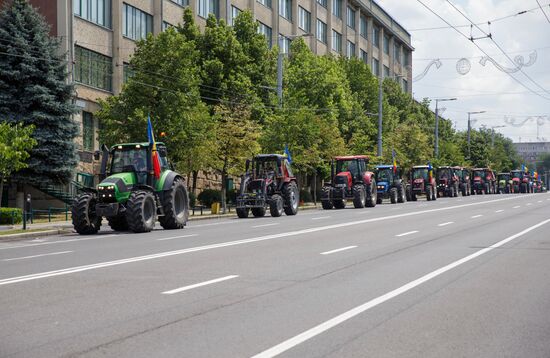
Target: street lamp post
x,y
470,129
493,135
436,142
280,64
380,112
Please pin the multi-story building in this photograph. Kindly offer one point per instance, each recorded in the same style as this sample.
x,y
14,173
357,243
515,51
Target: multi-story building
x,y
99,37
531,151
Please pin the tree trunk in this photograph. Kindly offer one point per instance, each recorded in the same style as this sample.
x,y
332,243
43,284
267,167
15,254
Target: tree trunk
x,y
315,187
195,175
224,188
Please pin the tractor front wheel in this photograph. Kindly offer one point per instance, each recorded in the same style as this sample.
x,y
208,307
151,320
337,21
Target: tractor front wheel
x,y
258,212
326,203
291,197
118,223
401,194
372,195
85,220
242,213
141,211
276,206
175,205
339,203
359,196
393,195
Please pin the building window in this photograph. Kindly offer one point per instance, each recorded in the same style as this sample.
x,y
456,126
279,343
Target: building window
x,y
127,72
386,71
386,44
350,49
337,8
87,131
93,69
405,57
181,2
285,44
321,31
323,3
375,67
363,27
376,37
285,9
206,7
235,11
96,11
304,19
364,56
166,25
136,24
267,32
351,17
397,53
266,3
405,86
336,41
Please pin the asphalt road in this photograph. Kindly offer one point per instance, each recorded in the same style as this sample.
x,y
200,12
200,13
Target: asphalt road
x,y
459,277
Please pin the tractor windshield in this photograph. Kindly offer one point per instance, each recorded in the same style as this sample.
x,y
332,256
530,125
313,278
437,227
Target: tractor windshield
x,y
384,175
479,173
129,159
265,168
347,166
518,175
420,173
504,177
444,174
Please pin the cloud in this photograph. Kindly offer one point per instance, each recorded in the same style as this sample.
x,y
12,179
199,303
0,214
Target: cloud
x,y
484,87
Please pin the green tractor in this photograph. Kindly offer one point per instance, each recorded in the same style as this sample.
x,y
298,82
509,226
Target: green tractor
x,y
130,196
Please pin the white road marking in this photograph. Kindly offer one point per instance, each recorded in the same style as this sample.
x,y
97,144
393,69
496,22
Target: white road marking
x,y
177,237
528,204
517,206
216,224
476,216
407,233
445,224
320,217
499,211
338,250
540,201
75,269
264,225
190,287
33,256
56,242
335,321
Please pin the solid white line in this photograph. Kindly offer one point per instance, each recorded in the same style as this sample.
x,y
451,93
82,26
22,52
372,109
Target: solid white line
x,y
476,216
70,270
33,256
177,237
320,217
407,233
56,242
338,250
264,225
216,224
445,224
528,204
499,211
190,287
517,206
333,322
540,201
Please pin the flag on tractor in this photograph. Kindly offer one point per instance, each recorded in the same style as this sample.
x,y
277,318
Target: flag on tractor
x,y
154,154
287,153
394,161
430,170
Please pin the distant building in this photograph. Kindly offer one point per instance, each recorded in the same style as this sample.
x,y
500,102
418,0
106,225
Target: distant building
x,y
530,152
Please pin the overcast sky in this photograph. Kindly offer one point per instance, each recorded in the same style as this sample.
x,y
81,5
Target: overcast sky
x,y
483,87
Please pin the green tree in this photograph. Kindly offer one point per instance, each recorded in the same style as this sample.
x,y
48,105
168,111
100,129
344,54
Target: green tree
x,y
34,91
15,144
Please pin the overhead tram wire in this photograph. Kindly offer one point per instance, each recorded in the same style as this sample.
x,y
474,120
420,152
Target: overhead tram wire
x,y
499,47
481,49
541,9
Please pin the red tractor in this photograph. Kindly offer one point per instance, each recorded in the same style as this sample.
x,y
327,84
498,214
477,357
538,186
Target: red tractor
x,y
447,182
350,180
268,183
484,181
422,182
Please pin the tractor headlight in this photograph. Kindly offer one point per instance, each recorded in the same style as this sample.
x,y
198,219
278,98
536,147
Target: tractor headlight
x,y
100,188
111,187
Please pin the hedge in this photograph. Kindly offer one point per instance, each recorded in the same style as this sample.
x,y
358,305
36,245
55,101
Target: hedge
x,y
11,216
209,196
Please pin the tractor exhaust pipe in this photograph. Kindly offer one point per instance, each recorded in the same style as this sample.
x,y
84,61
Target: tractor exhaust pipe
x,y
332,174
104,160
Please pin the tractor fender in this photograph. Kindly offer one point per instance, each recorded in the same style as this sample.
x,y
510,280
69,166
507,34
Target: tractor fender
x,y
368,178
169,180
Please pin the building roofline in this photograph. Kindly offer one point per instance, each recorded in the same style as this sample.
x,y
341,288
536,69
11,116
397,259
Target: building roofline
x,y
406,42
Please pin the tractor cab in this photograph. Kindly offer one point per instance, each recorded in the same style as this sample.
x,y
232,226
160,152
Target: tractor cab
x,y
520,181
504,182
348,170
422,183
269,170
447,182
389,184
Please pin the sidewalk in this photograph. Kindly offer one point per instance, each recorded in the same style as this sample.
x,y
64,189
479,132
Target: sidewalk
x,y
66,227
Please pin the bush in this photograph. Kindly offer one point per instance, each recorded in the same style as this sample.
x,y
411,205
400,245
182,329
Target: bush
x,y
209,196
305,196
192,200
11,216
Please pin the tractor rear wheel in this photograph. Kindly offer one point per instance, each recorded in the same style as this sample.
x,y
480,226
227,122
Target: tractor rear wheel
x,y
291,197
413,197
372,195
326,203
175,205
85,220
276,206
258,212
118,223
339,203
242,213
359,196
401,194
434,197
393,195
429,193
141,211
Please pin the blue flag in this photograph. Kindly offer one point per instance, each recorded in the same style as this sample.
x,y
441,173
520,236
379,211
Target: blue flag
x,y
287,153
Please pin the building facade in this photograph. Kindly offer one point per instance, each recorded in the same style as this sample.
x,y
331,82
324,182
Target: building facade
x,y
99,38
531,151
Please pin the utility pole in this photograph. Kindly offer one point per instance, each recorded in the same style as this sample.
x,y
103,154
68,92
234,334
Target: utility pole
x,y
469,130
436,142
380,95
280,58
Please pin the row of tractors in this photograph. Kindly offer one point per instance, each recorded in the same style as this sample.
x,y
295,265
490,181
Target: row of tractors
x,y
133,194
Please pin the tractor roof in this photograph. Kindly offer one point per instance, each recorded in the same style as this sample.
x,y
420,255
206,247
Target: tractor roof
x,y
446,167
385,166
269,156
351,157
420,167
505,173
516,171
125,145
481,169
